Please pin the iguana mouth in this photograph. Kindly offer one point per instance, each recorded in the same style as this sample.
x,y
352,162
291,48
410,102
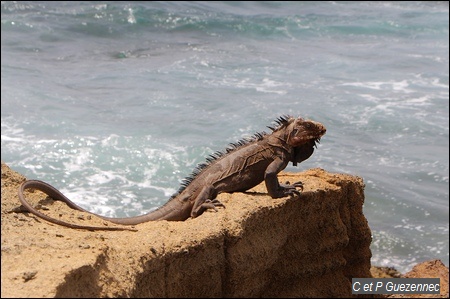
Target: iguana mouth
x,y
313,139
316,140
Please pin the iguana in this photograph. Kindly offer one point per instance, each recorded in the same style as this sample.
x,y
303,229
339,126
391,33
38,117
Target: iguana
x,y
240,167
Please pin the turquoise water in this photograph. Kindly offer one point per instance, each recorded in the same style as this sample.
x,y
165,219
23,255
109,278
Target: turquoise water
x,y
115,103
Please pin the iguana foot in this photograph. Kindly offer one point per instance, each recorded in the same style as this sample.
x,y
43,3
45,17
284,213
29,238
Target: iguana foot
x,y
212,204
290,190
207,205
294,185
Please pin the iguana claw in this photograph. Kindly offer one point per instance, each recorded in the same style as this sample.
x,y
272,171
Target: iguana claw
x,y
289,189
212,204
298,185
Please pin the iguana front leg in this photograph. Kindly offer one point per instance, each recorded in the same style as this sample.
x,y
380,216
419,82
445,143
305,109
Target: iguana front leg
x,y
273,186
205,200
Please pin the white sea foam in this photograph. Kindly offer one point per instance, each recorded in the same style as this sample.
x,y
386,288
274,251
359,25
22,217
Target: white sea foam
x,y
396,86
265,85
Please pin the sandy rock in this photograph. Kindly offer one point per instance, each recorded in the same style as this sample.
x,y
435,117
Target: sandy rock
x,y
307,246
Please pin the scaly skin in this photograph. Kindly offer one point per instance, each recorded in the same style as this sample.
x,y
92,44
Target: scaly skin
x,y
244,165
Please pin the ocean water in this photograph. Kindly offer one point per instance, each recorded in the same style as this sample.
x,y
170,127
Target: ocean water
x,y
114,103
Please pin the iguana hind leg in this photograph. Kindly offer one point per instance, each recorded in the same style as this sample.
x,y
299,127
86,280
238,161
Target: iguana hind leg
x,y
206,200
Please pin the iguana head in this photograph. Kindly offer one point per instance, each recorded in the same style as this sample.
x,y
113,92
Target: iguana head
x,y
304,131
302,136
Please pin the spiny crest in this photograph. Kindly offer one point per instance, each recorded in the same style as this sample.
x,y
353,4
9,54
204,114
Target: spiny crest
x,y
281,122
216,156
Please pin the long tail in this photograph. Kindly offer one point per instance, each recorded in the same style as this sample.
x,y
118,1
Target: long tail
x,y
55,194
